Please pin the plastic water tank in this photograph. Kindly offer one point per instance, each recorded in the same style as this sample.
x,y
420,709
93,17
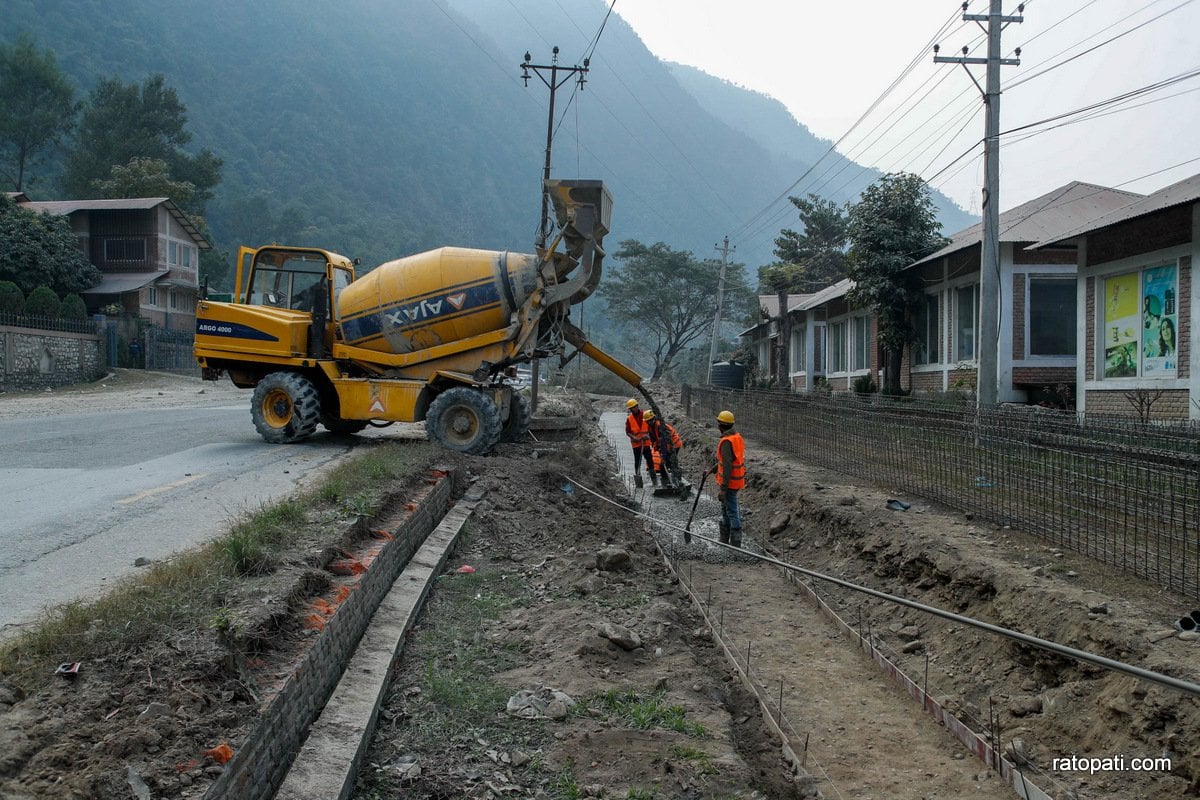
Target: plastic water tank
x,y
728,375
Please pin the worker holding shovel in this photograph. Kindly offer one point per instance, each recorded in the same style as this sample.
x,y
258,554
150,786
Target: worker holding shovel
x,y
730,471
639,438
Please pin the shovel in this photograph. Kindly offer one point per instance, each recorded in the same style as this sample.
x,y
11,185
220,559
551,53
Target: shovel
x,y
687,529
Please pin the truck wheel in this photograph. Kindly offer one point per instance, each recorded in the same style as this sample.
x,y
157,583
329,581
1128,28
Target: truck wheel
x,y
285,407
342,426
465,420
517,426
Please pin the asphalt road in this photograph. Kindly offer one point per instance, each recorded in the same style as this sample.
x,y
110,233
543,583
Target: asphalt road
x,y
85,494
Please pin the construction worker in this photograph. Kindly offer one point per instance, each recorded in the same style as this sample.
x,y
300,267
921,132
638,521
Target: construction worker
x,y
665,443
639,437
730,470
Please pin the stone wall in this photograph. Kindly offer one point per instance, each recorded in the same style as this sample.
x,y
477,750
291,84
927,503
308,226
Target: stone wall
x,y
32,359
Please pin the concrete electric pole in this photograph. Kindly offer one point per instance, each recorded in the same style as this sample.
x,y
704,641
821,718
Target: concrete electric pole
x,y
723,249
553,83
989,288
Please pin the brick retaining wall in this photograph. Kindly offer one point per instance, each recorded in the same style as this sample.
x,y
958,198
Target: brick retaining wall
x,y
262,761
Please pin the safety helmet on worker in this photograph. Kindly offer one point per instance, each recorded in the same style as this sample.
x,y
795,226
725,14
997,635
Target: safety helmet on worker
x,y
725,417
648,414
631,403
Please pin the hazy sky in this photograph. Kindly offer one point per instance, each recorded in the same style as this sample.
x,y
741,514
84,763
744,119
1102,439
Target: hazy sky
x,y
828,62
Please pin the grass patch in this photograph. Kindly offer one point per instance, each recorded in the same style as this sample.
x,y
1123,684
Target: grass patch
x,y
191,593
565,786
623,602
646,711
700,759
458,696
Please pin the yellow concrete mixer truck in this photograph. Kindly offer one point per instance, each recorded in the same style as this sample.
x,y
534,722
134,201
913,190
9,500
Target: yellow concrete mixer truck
x,y
434,336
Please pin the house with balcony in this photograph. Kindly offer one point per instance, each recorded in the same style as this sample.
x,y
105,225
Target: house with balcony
x,y
147,250
1136,304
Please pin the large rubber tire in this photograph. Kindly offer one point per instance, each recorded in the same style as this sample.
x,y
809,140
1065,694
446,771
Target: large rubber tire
x,y
285,407
465,420
519,412
341,426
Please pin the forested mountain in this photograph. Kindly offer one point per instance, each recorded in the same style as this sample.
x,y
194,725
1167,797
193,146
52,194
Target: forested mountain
x,y
382,127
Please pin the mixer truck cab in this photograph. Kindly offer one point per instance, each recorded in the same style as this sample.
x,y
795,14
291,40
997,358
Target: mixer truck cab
x,y
432,337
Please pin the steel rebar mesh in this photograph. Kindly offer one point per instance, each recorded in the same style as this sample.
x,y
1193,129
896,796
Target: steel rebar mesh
x,y
1121,491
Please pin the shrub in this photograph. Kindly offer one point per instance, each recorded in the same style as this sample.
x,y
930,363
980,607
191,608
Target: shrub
x,y
43,302
73,307
12,299
863,384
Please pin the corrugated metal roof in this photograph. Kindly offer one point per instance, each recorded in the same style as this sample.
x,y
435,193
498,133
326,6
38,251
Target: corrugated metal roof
x,y
770,302
839,289
66,207
71,206
121,282
1067,206
803,302
1185,191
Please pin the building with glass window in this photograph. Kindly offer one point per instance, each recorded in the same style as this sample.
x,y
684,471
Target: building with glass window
x,y
1134,303
1036,339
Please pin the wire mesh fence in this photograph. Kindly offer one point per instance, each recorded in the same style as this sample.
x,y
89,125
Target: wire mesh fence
x,y
1120,491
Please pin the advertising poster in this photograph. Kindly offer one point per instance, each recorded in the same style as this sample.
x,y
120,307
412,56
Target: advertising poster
x,y
1121,326
1159,321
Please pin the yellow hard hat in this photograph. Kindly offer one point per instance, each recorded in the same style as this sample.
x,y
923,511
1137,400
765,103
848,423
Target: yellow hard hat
x,y
726,417
648,414
630,403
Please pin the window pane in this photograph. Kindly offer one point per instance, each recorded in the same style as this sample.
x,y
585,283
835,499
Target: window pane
x,y
965,316
925,350
837,347
862,343
1051,317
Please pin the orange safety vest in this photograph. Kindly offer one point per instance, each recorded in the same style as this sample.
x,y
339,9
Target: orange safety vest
x,y
638,431
737,470
656,439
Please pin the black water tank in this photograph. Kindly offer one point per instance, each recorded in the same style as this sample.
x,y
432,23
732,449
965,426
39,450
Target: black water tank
x,y
728,375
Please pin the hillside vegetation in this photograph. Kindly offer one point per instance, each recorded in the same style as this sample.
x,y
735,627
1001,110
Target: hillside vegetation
x,y
380,128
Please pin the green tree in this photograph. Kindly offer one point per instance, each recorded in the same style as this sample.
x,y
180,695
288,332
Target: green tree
x,y
73,307
820,249
893,225
123,122
145,177
41,249
667,296
43,302
37,109
808,262
12,299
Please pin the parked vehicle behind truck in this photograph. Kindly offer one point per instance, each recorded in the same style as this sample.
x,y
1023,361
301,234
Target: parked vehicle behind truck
x,y
435,336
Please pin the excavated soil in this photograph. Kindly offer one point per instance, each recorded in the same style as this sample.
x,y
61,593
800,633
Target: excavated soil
x,y
579,618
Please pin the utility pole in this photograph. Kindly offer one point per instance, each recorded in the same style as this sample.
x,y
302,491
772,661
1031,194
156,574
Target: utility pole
x,y
989,284
544,231
553,83
723,249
